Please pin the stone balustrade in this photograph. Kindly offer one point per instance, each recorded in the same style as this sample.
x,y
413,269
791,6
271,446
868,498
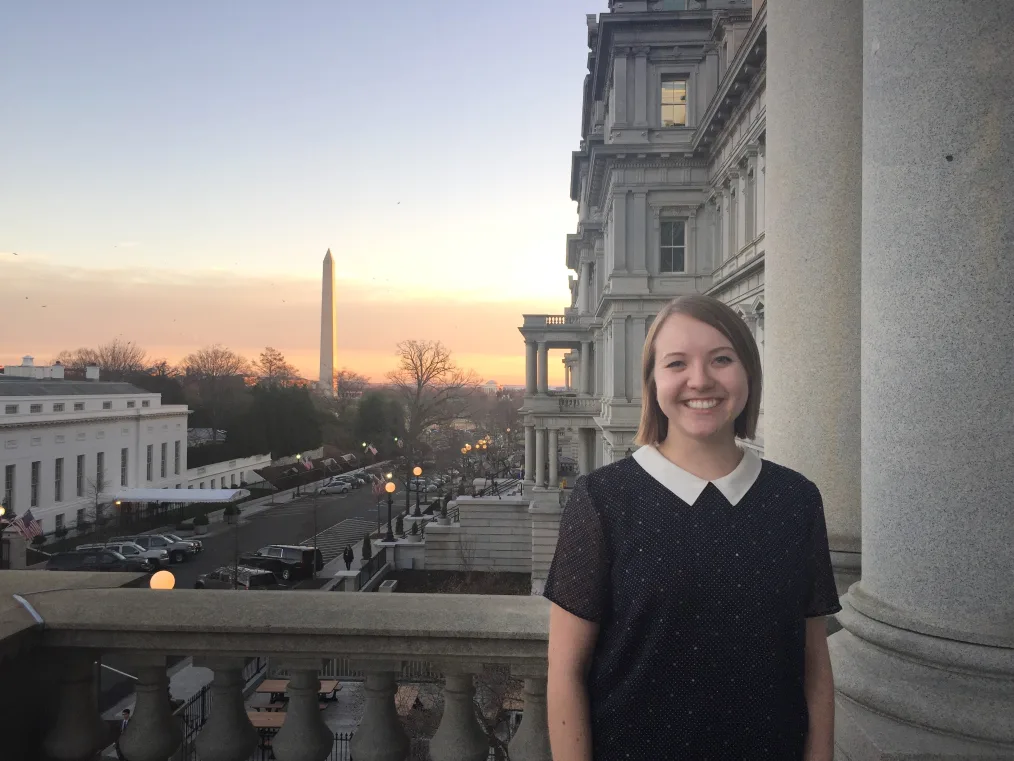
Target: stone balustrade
x,y
84,616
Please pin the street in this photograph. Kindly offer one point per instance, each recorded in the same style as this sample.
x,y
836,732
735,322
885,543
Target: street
x,y
289,523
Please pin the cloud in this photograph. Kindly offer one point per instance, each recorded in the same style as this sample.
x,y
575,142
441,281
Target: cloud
x,y
45,308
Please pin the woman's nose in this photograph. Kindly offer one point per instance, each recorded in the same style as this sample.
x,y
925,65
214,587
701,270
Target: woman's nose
x,y
698,375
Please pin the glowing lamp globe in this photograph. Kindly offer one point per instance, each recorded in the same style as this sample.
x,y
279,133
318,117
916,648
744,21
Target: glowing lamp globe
x,y
417,471
162,580
389,487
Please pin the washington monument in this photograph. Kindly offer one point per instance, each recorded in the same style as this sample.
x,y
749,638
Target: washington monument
x,y
328,325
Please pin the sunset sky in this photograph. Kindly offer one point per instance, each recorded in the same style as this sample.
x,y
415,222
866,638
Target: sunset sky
x,y
174,173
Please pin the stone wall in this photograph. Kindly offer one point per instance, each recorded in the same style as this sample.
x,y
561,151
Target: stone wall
x,y
491,535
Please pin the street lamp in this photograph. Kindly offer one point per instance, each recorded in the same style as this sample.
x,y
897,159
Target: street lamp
x,y
417,471
389,487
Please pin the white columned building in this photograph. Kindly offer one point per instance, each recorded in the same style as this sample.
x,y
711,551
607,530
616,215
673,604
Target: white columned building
x,y
64,441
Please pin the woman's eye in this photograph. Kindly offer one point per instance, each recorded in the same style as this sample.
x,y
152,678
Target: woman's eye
x,y
724,360
678,363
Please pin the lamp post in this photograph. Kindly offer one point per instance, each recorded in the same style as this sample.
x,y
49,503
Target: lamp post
x,y
417,471
389,487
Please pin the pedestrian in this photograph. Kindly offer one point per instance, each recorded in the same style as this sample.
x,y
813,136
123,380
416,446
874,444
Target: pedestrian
x,y
124,720
691,581
348,557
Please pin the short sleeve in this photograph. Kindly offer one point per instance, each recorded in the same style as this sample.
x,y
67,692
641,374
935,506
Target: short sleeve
x,y
579,574
822,594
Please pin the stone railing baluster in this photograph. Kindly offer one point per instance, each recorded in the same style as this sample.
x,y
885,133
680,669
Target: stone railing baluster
x,y
460,736
531,742
152,733
380,736
77,731
228,734
304,736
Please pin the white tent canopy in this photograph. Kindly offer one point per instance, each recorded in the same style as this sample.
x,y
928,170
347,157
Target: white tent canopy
x,y
174,495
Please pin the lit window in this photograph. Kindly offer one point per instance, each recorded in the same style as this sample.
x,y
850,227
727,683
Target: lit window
x,y
673,246
674,102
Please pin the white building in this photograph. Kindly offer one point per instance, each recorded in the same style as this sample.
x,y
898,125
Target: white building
x,y
669,182
65,439
228,474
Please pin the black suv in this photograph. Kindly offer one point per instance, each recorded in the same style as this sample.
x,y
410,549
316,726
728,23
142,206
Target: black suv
x,y
97,560
287,561
246,578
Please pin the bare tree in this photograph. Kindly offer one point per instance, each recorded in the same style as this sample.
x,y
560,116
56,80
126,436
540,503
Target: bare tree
x,y
120,358
94,489
349,384
215,372
272,367
77,359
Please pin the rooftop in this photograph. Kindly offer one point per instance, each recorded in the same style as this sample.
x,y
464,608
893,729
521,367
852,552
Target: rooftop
x,y
13,386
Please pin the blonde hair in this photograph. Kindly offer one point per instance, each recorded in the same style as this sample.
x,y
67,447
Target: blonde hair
x,y
654,425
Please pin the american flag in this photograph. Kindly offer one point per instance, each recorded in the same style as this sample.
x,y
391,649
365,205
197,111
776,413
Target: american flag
x,y
308,464
27,525
372,450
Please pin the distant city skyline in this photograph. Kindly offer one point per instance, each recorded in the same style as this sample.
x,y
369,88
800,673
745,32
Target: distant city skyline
x,y
186,157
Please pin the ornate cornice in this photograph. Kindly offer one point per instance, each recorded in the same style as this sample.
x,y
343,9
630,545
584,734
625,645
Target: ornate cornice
x,y
91,421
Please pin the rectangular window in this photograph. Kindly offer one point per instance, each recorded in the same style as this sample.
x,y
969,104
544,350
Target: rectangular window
x,y
212,483
35,409
176,457
674,101
131,405
165,459
9,487
78,406
58,407
36,472
11,409
673,246
151,456
80,475
59,522
100,471
107,405
145,403
58,480
124,459
80,516
202,485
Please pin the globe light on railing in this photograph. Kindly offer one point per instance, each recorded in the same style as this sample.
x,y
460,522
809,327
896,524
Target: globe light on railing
x,y
417,471
389,476
3,511
389,487
162,580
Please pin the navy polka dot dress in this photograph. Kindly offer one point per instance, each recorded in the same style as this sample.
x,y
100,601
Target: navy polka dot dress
x,y
701,606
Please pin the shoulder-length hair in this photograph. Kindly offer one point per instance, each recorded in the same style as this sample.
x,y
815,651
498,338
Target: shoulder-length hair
x,y
654,426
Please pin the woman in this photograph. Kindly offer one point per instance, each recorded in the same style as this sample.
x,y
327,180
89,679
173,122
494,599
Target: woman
x,y
690,580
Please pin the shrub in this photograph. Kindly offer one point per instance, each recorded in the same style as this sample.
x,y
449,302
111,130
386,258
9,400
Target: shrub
x,y
399,525
231,509
184,525
367,548
201,520
60,533
39,540
415,528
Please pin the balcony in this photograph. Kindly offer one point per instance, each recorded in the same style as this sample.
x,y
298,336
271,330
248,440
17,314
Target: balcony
x,y
750,254
550,320
49,644
556,404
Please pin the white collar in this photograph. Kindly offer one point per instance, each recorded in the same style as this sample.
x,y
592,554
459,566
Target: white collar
x,y
688,487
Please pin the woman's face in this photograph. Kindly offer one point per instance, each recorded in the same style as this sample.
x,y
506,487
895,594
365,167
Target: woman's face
x,y
702,386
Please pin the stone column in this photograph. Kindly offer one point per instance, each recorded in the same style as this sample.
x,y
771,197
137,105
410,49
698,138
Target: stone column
x,y
554,464
725,226
586,368
641,87
304,736
530,452
380,736
814,105
742,209
582,452
531,367
152,733
759,224
77,729
540,457
925,664
228,734
531,742
459,736
584,287
543,386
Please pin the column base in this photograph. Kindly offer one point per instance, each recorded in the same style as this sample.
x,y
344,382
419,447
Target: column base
x,y
543,497
905,695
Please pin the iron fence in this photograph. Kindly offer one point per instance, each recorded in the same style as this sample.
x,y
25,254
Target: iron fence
x,y
340,751
191,717
371,567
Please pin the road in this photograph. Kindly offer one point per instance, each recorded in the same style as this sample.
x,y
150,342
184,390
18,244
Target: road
x,y
290,523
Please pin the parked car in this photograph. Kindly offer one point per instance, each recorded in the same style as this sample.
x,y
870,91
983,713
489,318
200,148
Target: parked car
x,y
158,557
335,487
179,550
197,544
97,560
246,578
287,561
